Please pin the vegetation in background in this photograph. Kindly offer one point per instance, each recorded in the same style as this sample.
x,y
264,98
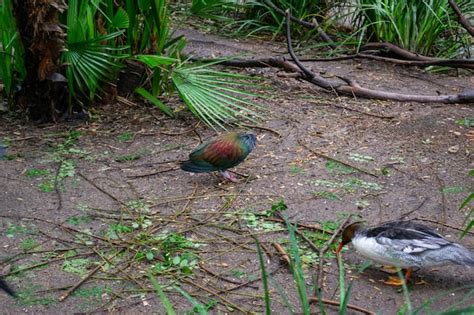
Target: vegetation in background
x,y
12,68
91,56
100,34
425,27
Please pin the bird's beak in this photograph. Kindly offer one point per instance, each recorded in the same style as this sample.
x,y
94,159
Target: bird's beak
x,y
339,248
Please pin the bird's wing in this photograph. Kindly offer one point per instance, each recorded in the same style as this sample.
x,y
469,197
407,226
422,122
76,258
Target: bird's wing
x,y
410,238
222,152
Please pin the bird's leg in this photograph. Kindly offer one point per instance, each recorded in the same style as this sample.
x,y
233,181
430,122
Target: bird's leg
x,y
396,281
228,176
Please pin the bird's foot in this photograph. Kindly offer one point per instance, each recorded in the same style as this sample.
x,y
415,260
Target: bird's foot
x,y
229,176
395,281
389,269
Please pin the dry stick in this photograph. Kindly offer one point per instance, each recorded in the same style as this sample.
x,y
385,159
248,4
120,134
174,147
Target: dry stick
x,y
262,128
324,249
315,25
353,89
75,287
357,111
406,214
56,188
90,274
211,196
183,132
127,275
101,190
443,199
154,173
216,294
462,19
336,160
297,224
44,263
335,303
65,228
223,278
249,282
282,252
187,203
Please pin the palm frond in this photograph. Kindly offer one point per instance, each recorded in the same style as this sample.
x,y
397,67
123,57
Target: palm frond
x,y
217,98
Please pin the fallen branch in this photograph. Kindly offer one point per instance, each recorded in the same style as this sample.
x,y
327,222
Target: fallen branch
x,y
461,18
423,62
394,49
352,88
315,25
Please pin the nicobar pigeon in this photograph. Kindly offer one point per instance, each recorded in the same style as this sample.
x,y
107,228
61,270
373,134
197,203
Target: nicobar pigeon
x,y
220,153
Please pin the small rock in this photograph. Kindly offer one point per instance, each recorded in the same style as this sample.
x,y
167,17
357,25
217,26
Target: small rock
x,y
453,149
457,133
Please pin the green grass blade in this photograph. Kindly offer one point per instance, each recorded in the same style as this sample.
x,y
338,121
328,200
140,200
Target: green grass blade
x,y
164,299
266,291
165,109
198,307
297,269
283,295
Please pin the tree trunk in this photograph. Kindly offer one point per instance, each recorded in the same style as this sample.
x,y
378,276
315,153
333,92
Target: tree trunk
x,y
44,93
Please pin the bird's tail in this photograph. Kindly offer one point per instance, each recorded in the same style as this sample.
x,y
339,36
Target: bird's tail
x,y
6,288
463,256
194,167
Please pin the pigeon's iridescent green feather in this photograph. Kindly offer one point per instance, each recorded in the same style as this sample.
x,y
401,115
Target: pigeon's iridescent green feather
x,y
220,153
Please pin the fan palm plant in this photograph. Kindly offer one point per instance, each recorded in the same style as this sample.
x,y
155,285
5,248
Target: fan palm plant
x,y
90,57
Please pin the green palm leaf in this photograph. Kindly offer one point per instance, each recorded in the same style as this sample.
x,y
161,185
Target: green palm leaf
x,y
217,98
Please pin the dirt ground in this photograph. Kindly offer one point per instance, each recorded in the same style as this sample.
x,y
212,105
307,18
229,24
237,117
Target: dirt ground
x,y
92,199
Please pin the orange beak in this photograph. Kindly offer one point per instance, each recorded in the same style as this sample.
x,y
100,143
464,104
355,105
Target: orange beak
x,y
339,248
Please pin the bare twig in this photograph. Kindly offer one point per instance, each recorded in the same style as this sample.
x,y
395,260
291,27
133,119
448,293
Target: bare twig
x,y
335,303
262,128
282,252
315,25
406,214
154,173
443,199
327,157
462,19
100,189
223,278
297,224
216,294
325,248
75,287
357,111
56,186
182,132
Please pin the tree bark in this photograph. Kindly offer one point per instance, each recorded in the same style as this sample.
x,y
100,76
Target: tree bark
x,y
44,92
